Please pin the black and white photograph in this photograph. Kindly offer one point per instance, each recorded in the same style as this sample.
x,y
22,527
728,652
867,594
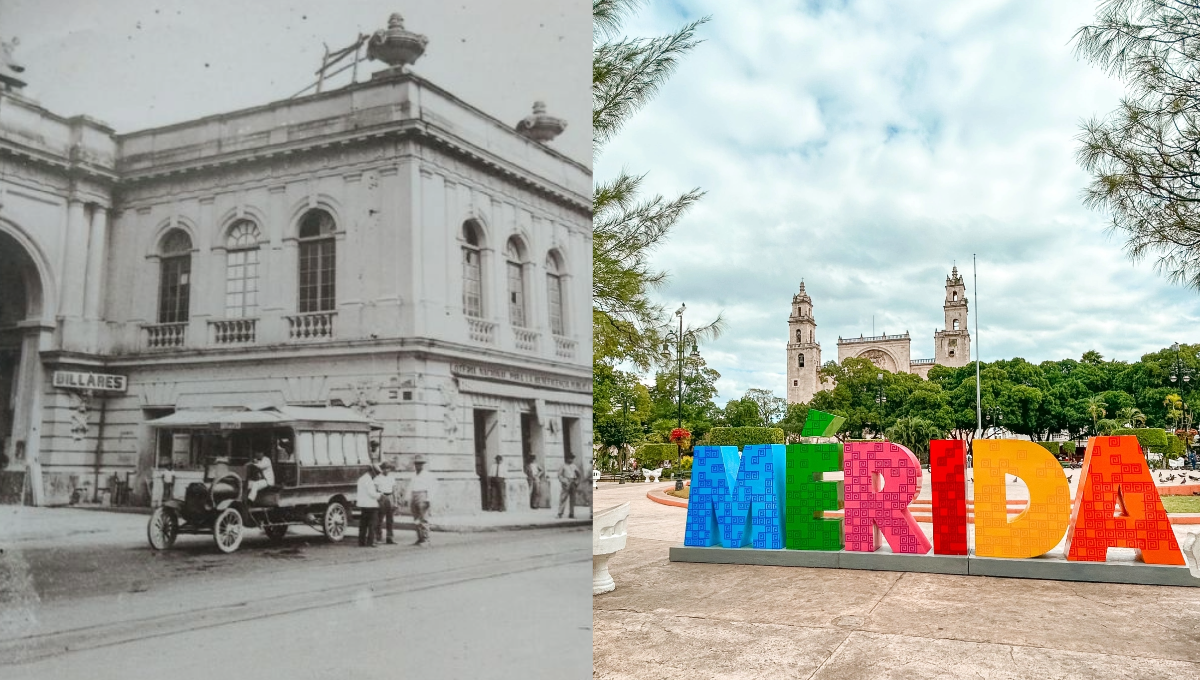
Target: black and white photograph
x,y
295,350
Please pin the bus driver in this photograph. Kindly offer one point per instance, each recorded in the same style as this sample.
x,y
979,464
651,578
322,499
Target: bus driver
x,y
266,475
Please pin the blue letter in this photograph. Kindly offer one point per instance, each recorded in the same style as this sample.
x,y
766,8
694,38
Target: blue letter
x,y
745,507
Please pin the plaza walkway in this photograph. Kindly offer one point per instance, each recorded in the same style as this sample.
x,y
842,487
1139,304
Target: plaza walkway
x,y
698,621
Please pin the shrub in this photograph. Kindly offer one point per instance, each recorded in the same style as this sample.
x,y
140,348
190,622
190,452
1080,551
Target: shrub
x,y
651,456
741,436
1052,447
1149,437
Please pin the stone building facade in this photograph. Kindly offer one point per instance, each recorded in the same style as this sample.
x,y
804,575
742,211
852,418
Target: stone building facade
x,y
384,246
952,345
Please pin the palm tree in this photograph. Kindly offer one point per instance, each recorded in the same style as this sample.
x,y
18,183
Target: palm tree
x,y
1095,409
914,433
1132,417
1174,408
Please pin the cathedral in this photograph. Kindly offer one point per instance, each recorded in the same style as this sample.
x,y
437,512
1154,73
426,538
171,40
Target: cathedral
x,y
951,345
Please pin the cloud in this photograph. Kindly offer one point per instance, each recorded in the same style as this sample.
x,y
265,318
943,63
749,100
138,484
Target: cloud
x,y
866,146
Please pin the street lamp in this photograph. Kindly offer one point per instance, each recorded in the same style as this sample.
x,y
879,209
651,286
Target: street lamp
x,y
995,418
880,398
678,340
1182,375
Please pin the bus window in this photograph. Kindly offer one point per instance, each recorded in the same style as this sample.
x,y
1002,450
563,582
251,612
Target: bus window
x,y
304,448
336,454
356,451
321,448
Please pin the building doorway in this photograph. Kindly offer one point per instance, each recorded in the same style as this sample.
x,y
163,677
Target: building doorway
x,y
20,366
533,461
491,485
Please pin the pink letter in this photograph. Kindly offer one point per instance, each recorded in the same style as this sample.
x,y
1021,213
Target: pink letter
x,y
868,511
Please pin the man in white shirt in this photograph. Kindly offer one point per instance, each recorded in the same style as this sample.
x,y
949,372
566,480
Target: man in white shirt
x,y
367,500
385,484
266,475
421,491
568,478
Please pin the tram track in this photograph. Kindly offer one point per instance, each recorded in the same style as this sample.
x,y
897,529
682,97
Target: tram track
x,y
358,592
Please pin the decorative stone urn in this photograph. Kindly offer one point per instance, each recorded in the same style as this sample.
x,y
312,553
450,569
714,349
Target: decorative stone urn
x,y
395,46
608,536
541,127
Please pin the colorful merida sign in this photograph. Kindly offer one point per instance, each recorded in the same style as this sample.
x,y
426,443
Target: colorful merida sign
x,y
773,497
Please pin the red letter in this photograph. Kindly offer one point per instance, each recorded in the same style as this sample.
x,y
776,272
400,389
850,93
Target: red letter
x,y
1115,477
947,464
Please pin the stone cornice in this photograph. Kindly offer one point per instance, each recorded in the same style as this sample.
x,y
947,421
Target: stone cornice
x,y
418,347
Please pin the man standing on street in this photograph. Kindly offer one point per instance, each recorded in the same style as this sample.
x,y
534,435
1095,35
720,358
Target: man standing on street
x,y
421,491
568,480
385,484
368,507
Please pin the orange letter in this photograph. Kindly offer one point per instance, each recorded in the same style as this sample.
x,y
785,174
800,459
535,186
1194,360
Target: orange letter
x,y
1115,477
1041,524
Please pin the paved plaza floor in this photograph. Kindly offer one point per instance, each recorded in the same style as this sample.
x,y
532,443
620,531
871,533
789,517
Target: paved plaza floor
x,y
697,621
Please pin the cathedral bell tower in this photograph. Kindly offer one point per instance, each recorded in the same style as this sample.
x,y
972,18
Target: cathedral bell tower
x,y
803,351
952,346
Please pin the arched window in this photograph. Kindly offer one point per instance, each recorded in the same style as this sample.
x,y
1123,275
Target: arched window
x,y
956,324
317,262
801,360
175,277
554,293
955,296
472,270
241,270
799,336
516,282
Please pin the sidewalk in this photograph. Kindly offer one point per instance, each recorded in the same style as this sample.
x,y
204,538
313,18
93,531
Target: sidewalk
x,y
669,619
25,526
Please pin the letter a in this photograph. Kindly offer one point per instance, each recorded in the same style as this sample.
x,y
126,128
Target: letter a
x,y
1115,478
868,511
1041,524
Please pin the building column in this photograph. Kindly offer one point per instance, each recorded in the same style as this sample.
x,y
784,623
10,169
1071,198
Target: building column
x,y
75,256
97,257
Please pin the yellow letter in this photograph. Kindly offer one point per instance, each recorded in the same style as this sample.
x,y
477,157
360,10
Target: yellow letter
x,y
1042,523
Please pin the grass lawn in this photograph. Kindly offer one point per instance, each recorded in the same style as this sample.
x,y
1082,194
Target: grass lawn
x,y
1181,503
683,493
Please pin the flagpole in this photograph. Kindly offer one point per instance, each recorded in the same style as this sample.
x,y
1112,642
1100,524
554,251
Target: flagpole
x,y
978,403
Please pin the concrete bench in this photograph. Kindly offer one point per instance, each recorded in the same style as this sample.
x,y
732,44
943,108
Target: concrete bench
x,y
608,536
652,475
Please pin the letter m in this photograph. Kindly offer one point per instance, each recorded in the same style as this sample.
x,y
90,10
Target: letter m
x,y
737,497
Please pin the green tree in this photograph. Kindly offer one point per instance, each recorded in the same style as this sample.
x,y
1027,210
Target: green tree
x,y
770,407
792,423
626,228
742,412
1095,409
915,433
699,391
1144,157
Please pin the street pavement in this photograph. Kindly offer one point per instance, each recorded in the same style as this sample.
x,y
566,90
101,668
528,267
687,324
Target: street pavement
x,y
668,619
84,596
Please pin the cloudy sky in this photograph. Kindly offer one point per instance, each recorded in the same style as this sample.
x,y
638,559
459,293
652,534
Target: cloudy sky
x,y
865,146
142,63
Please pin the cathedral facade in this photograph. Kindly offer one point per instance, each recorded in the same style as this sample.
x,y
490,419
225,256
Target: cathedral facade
x,y
951,345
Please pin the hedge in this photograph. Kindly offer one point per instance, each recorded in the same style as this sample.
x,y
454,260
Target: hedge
x,y
651,456
1149,437
1052,447
741,436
